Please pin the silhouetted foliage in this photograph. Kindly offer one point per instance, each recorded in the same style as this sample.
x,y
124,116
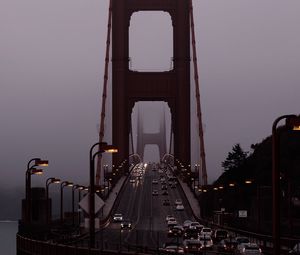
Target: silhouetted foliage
x,y
235,159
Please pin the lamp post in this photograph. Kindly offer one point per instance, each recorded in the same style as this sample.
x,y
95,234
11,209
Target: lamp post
x,y
103,147
48,182
30,171
83,188
62,185
292,122
73,206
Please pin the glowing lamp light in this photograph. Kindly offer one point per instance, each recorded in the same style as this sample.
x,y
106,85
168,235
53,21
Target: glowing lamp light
x,y
36,171
296,128
231,184
293,123
40,162
248,181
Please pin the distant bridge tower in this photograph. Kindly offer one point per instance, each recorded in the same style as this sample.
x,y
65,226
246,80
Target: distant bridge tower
x,y
158,138
129,87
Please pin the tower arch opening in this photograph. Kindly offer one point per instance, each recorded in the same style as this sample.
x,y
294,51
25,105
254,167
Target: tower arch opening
x,y
150,41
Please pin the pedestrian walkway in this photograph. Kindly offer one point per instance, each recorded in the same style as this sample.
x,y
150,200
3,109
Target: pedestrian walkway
x,y
110,201
194,203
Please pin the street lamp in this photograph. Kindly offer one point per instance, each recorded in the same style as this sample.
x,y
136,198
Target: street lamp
x,y
30,171
73,206
82,188
48,182
292,123
103,147
62,185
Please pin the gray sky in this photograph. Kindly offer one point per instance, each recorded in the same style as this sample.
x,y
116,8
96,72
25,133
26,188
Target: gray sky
x,y
51,70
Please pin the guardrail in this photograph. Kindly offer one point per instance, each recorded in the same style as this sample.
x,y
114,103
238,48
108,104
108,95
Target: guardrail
x,y
263,240
26,246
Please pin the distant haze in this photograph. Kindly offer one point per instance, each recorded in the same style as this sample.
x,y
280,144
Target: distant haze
x,y
51,75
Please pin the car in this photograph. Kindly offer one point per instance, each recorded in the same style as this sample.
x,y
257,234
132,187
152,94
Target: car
x,y
154,181
178,202
170,217
173,186
154,192
250,249
295,250
191,233
126,224
206,231
220,234
186,224
164,187
227,245
179,207
206,242
241,242
171,223
175,231
171,249
132,181
196,225
117,217
192,245
166,202
165,193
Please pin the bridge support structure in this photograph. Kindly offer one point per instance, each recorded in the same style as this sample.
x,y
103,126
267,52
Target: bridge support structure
x,y
129,87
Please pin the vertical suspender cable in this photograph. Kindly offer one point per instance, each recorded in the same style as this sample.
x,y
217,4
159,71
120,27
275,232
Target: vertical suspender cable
x,y
104,91
199,114
131,137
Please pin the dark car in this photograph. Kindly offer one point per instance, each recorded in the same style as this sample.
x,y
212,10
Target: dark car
x,y
126,224
166,202
227,245
165,193
192,246
220,234
191,233
164,187
175,231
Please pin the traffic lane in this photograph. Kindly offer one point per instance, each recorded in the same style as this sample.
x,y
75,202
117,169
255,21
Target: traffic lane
x,y
112,234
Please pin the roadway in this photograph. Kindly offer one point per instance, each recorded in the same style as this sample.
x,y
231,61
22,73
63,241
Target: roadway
x,y
146,212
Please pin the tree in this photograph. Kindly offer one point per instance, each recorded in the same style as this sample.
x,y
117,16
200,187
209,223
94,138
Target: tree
x,y
235,158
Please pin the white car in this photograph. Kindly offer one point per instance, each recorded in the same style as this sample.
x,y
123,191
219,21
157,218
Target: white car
x,y
118,217
172,222
154,181
132,181
169,217
251,249
178,202
206,231
186,224
206,242
196,225
179,207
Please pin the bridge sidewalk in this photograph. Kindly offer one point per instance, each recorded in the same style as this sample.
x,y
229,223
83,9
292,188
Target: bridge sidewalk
x,y
193,201
110,201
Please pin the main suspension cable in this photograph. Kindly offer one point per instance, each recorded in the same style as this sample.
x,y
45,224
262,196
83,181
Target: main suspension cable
x,y
199,114
104,91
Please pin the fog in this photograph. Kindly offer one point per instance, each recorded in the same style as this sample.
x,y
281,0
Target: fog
x,y
51,75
